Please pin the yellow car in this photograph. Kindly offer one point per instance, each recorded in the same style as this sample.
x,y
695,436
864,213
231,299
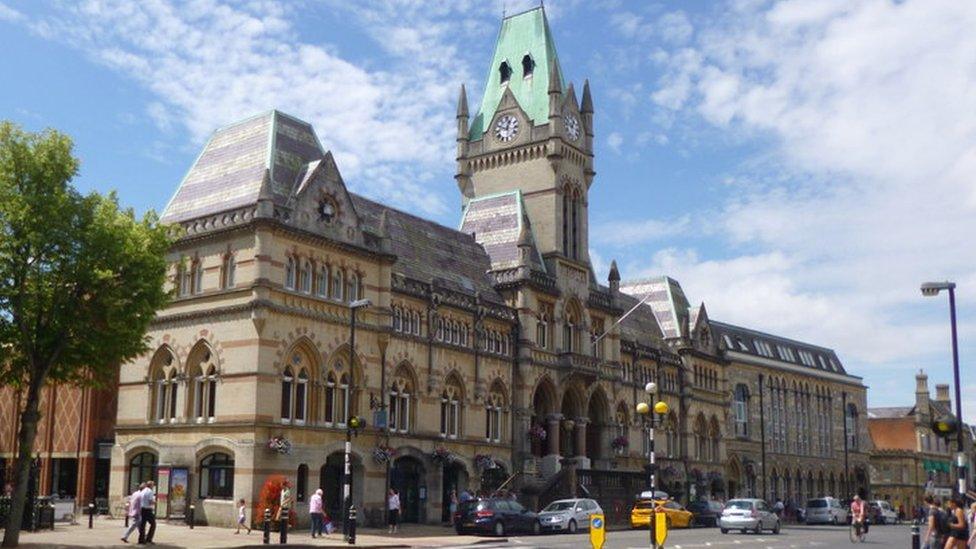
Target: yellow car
x,y
678,516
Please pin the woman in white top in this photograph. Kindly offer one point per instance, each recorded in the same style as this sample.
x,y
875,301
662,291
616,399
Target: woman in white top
x,y
393,507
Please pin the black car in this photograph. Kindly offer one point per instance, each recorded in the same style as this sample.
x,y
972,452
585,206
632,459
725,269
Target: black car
x,y
706,513
496,516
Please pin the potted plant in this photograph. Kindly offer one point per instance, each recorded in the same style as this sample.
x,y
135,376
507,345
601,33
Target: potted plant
x,y
383,454
279,444
537,432
620,443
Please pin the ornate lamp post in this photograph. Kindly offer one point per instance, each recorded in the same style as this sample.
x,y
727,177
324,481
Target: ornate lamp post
x,y
644,410
352,427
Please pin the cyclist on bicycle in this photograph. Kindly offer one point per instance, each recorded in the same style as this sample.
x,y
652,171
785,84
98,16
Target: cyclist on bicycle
x,y
858,513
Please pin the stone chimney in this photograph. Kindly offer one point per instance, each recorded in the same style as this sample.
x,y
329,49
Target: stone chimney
x,y
942,394
921,397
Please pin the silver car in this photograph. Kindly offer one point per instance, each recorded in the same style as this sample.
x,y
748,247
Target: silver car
x,y
825,511
568,515
752,515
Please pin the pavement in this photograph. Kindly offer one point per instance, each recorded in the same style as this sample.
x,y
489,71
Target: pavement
x,y
106,533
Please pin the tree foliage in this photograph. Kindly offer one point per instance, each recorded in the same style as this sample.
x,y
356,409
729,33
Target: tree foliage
x,y
80,279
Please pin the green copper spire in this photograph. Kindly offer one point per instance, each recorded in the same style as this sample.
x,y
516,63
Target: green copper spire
x,y
521,35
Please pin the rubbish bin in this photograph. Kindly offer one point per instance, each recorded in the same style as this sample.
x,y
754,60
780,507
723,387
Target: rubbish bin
x,y
45,514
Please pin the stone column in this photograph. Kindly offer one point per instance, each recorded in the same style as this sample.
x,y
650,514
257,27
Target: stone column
x,y
554,421
581,423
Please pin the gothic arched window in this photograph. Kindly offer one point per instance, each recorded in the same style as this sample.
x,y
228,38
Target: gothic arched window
x,y
305,277
851,423
228,271
528,65
451,409
290,273
740,407
400,395
493,413
322,282
504,72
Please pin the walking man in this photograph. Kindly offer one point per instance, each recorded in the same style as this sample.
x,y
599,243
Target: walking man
x,y
134,511
147,499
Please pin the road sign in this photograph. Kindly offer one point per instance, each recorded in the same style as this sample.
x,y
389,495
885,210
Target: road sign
x,y
597,531
379,419
660,525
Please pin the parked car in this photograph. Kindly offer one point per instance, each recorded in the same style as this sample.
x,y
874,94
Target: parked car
x,y
677,515
881,512
568,515
496,516
825,511
706,512
753,515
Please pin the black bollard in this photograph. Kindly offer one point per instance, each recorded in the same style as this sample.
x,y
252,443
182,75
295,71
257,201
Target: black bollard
x,y
915,537
91,515
267,526
283,527
352,525
189,516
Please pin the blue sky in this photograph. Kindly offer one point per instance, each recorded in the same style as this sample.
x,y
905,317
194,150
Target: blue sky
x,y
800,166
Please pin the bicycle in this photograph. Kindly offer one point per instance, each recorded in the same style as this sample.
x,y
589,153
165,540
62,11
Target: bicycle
x,y
857,532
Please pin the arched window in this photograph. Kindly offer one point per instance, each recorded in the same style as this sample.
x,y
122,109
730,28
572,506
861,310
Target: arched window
x,y
671,436
701,443
338,284
355,287
142,467
287,386
528,65
571,328
322,282
851,422
493,413
451,409
228,271
576,223
542,332
197,270
290,273
621,424
464,335
714,439
504,72
343,401
397,319
400,393
305,277
301,393
202,385
184,279
301,483
741,409
163,387
217,476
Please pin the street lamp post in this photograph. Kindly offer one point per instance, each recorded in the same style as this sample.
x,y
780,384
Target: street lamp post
x,y
351,419
644,409
931,289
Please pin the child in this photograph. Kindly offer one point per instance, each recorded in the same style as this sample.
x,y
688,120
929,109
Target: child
x,y
241,519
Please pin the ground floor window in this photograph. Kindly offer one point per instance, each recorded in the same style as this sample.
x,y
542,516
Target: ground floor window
x,y
142,468
217,476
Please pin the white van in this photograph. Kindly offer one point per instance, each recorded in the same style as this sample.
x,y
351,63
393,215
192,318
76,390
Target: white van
x,y
825,511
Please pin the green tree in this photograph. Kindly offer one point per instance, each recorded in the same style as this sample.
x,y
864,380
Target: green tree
x,y
80,280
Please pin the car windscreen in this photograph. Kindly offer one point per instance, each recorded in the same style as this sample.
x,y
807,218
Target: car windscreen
x,y
558,506
739,504
469,506
644,504
816,504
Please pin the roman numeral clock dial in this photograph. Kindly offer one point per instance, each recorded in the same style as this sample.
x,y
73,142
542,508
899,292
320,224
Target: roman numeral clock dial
x,y
506,128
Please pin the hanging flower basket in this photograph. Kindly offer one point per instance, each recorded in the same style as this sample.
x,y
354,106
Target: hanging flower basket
x,y
383,454
484,462
441,456
537,432
620,443
279,444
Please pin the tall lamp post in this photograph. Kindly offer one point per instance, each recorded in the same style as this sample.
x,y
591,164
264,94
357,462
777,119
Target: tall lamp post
x,y
352,422
931,289
644,410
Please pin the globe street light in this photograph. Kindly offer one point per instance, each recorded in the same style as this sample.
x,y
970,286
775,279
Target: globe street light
x,y
931,289
644,410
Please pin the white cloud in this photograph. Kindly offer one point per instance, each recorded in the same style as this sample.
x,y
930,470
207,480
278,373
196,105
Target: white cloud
x,y
614,141
9,14
630,232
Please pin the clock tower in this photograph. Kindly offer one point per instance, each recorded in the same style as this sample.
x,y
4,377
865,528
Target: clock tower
x,y
531,135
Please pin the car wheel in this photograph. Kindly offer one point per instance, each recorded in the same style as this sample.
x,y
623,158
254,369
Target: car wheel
x,y
536,528
572,526
724,530
499,529
776,528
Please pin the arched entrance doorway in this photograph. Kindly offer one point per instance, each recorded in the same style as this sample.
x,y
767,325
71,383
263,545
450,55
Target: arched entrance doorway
x,y
543,405
330,481
409,478
571,409
598,412
455,479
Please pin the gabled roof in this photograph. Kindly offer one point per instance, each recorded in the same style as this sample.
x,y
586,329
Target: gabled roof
x,y
773,347
432,253
230,169
642,325
497,222
893,434
524,33
665,297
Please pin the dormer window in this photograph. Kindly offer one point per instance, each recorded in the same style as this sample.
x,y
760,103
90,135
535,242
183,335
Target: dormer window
x,y
327,210
505,72
528,65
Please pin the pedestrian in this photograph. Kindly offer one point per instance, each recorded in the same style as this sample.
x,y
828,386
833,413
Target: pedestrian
x,y
393,506
972,525
147,501
284,501
315,512
958,529
133,510
933,537
778,508
454,505
242,516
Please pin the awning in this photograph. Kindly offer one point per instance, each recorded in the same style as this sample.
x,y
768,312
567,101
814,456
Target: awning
x,y
936,466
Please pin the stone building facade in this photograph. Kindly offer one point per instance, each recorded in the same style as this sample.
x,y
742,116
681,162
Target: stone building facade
x,y
497,356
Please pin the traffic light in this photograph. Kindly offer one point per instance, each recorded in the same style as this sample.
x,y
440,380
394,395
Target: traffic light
x,y
945,426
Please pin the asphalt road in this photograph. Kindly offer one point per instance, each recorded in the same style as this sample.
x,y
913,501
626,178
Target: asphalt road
x,y
789,538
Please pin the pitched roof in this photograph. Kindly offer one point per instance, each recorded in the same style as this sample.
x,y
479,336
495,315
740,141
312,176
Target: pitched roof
x,y
892,434
429,252
229,171
526,33
497,222
665,297
769,346
642,325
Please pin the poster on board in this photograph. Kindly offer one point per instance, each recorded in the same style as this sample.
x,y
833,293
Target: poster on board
x,y
179,480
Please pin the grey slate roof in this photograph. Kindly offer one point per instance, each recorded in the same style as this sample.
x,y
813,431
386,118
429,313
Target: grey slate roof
x,y
890,412
760,344
230,169
642,325
496,222
666,299
430,252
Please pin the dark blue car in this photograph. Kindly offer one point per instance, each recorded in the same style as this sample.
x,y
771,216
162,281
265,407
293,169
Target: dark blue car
x,y
496,516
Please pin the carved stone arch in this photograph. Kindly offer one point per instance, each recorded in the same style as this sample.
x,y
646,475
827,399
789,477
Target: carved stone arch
x,y
139,445
342,353
545,398
496,385
208,446
454,376
159,358
201,353
406,370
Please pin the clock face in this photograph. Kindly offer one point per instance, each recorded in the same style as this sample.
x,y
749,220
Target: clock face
x,y
572,126
326,210
506,128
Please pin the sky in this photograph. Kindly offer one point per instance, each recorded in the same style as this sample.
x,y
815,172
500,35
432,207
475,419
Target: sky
x,y
800,166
